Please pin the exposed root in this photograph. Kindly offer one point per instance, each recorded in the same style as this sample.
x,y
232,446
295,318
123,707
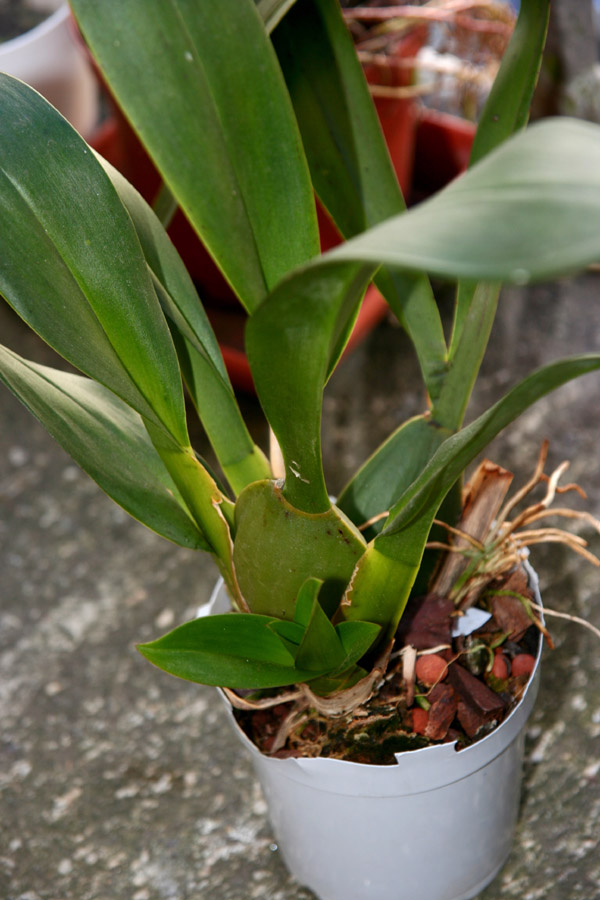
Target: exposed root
x,y
289,724
264,703
489,555
570,618
345,702
409,660
373,520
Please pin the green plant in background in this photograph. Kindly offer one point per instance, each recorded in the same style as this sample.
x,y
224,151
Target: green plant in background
x,y
248,109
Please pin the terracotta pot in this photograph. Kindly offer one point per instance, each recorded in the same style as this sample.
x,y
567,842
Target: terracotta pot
x,y
442,150
438,825
399,115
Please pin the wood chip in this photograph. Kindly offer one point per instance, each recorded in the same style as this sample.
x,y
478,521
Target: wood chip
x,y
478,705
426,622
444,704
508,611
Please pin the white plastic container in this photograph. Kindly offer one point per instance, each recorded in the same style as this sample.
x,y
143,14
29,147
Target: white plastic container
x,y
50,59
437,826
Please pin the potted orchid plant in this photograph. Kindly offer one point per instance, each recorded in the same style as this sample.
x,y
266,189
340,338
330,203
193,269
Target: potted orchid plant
x,y
248,110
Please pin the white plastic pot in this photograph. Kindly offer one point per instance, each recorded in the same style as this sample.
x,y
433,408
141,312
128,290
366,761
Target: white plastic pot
x,y
437,826
50,59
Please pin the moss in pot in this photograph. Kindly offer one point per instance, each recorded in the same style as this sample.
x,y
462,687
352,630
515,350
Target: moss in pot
x,y
248,110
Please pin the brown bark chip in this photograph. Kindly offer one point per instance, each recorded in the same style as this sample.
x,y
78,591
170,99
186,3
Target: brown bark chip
x,y
426,622
443,708
477,704
508,610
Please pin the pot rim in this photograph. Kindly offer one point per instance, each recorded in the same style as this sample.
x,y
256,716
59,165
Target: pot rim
x,y
415,771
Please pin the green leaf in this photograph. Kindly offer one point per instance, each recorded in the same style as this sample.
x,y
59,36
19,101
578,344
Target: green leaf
x,y
217,103
198,350
291,341
544,181
108,440
349,162
324,546
235,650
72,264
384,477
507,107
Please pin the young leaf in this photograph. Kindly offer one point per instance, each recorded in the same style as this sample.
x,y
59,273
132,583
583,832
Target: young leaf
x,y
235,650
108,440
357,638
451,404
219,79
320,643
291,633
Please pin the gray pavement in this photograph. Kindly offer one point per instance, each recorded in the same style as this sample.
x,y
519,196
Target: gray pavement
x,y
118,782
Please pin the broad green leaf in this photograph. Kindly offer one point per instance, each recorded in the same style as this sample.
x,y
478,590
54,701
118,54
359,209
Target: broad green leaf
x,y
107,439
198,350
72,264
234,650
325,546
384,477
349,162
219,125
291,340
529,210
386,572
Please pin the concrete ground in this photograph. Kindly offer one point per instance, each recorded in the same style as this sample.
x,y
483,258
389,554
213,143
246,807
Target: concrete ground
x,y
118,782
